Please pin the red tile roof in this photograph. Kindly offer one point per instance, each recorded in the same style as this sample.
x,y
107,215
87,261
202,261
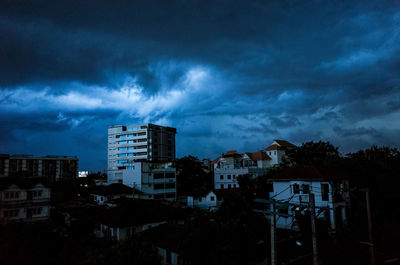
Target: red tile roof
x,y
256,156
281,144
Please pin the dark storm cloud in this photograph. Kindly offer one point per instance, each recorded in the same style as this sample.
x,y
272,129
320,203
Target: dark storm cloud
x,y
227,74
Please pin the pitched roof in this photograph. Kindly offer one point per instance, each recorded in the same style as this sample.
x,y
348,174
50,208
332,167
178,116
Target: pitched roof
x,y
137,212
23,183
259,155
114,189
279,145
216,160
231,152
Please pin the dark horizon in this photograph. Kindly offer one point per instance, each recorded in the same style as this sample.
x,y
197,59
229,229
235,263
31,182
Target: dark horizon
x,y
227,74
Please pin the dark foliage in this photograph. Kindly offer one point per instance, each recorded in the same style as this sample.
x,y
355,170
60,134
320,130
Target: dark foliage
x,y
191,175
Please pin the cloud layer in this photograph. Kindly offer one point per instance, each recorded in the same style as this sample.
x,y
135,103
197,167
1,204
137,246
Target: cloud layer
x,y
226,74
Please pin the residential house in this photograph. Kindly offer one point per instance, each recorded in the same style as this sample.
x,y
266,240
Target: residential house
x,y
294,185
277,150
203,199
135,216
24,199
106,193
230,165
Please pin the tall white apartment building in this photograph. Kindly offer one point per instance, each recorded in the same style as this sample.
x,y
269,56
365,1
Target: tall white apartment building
x,y
140,156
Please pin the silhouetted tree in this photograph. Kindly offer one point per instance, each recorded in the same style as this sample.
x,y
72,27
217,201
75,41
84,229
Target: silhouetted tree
x,y
312,153
191,176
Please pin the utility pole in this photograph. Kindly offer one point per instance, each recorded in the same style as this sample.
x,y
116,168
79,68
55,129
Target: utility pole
x,y
313,229
371,245
274,256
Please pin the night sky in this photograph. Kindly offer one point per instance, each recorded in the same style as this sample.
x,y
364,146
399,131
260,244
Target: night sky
x,y
227,74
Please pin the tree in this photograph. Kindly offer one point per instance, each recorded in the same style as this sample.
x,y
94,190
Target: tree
x,y
191,175
312,153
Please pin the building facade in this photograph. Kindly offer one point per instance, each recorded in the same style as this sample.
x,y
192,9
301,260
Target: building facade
x,y
294,186
230,165
140,156
51,167
24,200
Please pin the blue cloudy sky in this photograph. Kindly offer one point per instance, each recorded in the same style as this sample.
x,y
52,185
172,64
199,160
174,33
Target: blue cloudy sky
x,y
226,74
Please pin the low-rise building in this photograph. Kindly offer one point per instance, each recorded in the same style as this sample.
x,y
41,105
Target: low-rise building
x,y
230,165
106,193
24,199
136,216
51,167
156,180
203,199
294,185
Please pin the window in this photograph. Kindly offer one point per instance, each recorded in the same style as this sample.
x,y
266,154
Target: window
x,y
158,186
158,176
122,148
170,185
229,186
170,175
123,142
212,198
234,185
122,161
296,188
222,186
221,177
274,152
121,155
229,176
200,199
11,213
325,192
306,189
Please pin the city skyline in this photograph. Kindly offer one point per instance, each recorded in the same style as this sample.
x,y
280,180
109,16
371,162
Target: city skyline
x,y
227,75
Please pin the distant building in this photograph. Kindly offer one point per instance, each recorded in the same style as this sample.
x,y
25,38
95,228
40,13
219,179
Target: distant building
x,y
24,200
136,216
330,189
141,156
277,150
230,165
51,167
204,200
104,194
